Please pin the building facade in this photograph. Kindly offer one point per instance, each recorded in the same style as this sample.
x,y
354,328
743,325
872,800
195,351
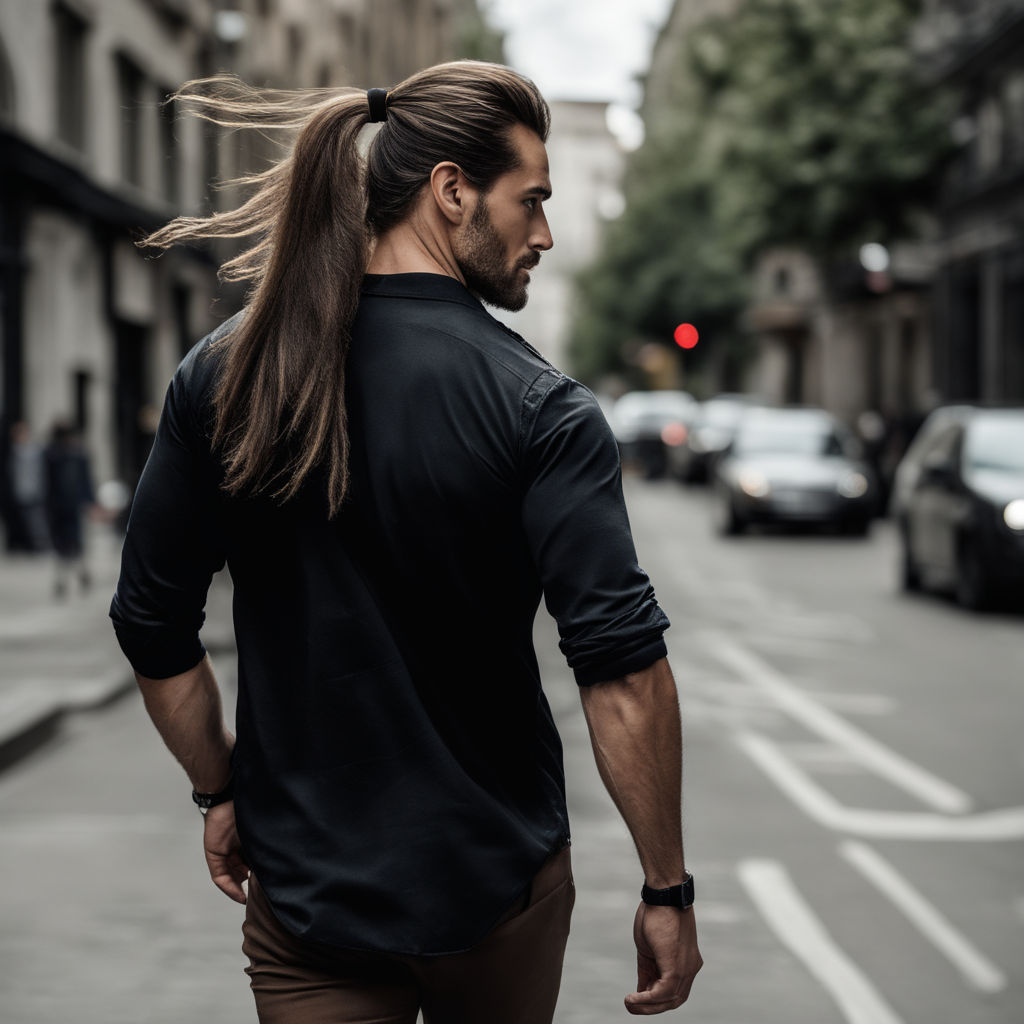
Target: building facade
x,y
977,47
91,158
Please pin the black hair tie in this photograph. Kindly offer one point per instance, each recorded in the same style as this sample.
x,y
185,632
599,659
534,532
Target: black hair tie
x,y
377,100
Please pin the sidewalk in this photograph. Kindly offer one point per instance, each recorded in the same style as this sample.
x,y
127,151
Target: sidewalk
x,y
62,656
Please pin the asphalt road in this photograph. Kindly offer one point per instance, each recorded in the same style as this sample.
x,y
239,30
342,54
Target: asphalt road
x,y
853,803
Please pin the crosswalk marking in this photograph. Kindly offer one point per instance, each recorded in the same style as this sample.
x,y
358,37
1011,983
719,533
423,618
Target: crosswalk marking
x,y
787,913
896,769
978,970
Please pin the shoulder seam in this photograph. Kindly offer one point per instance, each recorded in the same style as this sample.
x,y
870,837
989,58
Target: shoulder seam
x,y
535,397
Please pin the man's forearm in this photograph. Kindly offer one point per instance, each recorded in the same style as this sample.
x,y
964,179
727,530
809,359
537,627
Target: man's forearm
x,y
186,710
636,735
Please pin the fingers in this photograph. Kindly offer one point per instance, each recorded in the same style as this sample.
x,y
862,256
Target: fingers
x,y
666,993
230,884
223,852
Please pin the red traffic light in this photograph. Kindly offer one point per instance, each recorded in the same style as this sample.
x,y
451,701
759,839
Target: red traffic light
x,y
686,336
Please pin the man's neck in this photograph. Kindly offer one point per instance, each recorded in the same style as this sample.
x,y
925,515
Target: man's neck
x,y
411,248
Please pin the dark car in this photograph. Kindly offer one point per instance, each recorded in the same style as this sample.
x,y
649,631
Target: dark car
x,y
645,422
958,502
794,465
709,433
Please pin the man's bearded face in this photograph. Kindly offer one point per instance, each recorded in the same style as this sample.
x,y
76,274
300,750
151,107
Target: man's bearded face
x,y
498,280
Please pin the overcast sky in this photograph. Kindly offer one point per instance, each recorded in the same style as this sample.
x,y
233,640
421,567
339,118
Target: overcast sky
x,y
581,49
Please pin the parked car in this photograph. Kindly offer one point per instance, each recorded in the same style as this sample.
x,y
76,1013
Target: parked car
x,y
958,502
794,465
709,433
645,422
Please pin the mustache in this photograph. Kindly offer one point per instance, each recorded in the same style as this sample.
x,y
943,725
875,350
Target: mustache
x,y
530,262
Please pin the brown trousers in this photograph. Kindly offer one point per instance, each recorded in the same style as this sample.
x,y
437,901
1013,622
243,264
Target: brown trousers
x,y
511,977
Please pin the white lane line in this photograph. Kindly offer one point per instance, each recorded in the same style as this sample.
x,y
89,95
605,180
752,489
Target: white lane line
x,y
893,767
819,805
978,970
786,912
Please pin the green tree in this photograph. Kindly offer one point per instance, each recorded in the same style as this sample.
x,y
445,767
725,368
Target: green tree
x,y
802,122
476,36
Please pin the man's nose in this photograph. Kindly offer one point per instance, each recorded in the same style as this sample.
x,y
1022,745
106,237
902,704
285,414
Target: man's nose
x,y
541,238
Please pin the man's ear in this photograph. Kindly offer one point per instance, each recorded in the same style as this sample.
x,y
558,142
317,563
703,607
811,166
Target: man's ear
x,y
449,187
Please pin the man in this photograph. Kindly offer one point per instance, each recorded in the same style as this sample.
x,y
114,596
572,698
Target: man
x,y
395,797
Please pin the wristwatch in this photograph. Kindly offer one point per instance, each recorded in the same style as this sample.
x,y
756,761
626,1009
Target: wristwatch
x,y
680,896
204,801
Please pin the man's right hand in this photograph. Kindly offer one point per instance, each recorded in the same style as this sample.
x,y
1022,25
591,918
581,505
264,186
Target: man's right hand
x,y
667,958
224,851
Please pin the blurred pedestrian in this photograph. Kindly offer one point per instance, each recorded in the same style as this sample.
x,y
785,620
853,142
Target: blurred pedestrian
x,y
24,493
69,495
394,478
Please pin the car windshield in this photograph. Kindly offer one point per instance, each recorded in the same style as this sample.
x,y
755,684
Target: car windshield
x,y
653,406
720,413
787,437
996,443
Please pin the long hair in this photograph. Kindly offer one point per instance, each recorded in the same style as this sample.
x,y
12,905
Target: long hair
x,y
279,400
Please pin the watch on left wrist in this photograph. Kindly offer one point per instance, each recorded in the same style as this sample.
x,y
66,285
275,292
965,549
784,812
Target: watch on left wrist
x,y
204,801
680,896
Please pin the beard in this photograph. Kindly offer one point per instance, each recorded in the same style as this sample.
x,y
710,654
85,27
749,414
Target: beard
x,y
481,260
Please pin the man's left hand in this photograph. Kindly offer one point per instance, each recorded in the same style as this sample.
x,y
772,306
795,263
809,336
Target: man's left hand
x,y
224,852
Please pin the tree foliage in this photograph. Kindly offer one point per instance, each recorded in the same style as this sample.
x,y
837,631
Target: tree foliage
x,y
798,122
477,38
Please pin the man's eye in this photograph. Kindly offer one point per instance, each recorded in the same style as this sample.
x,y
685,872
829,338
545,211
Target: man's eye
x,y
530,204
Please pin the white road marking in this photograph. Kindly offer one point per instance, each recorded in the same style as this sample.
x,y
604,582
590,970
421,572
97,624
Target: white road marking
x,y
822,807
978,970
895,768
859,703
803,934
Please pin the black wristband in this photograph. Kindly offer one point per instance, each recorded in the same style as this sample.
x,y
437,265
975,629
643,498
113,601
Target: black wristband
x,y
204,801
680,896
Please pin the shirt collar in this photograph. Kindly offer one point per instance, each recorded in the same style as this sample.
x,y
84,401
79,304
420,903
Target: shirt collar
x,y
438,287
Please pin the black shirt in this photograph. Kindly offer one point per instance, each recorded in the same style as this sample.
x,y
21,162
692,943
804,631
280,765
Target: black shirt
x,y
398,773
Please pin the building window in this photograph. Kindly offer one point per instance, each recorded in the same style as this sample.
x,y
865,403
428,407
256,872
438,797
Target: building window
x,y
71,98
130,84
80,381
295,45
1013,101
990,136
6,85
169,154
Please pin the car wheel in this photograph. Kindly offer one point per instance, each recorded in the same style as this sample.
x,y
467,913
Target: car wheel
x,y
910,575
973,587
730,523
857,527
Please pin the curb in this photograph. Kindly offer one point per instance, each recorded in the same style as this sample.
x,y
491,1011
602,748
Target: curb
x,y
28,720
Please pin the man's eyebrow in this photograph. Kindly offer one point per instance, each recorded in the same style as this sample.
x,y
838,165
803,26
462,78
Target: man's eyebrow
x,y
538,190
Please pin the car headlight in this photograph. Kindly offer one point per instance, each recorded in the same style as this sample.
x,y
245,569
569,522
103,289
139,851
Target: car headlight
x,y
852,485
1013,514
754,484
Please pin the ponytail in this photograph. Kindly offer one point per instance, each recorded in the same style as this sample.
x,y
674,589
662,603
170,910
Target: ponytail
x,y
279,403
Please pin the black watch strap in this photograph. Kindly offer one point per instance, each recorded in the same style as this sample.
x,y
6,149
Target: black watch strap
x,y
204,801
680,896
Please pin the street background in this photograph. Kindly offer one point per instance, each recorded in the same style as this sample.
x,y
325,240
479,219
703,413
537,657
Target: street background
x,y
832,194
801,644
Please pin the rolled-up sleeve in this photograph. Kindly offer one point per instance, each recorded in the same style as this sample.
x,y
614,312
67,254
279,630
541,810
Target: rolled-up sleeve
x,y
172,548
574,515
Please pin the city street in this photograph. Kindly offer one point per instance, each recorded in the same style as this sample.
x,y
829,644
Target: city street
x,y
853,807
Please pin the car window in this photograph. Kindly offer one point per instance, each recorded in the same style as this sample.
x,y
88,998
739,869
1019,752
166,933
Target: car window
x,y
995,443
945,445
783,437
